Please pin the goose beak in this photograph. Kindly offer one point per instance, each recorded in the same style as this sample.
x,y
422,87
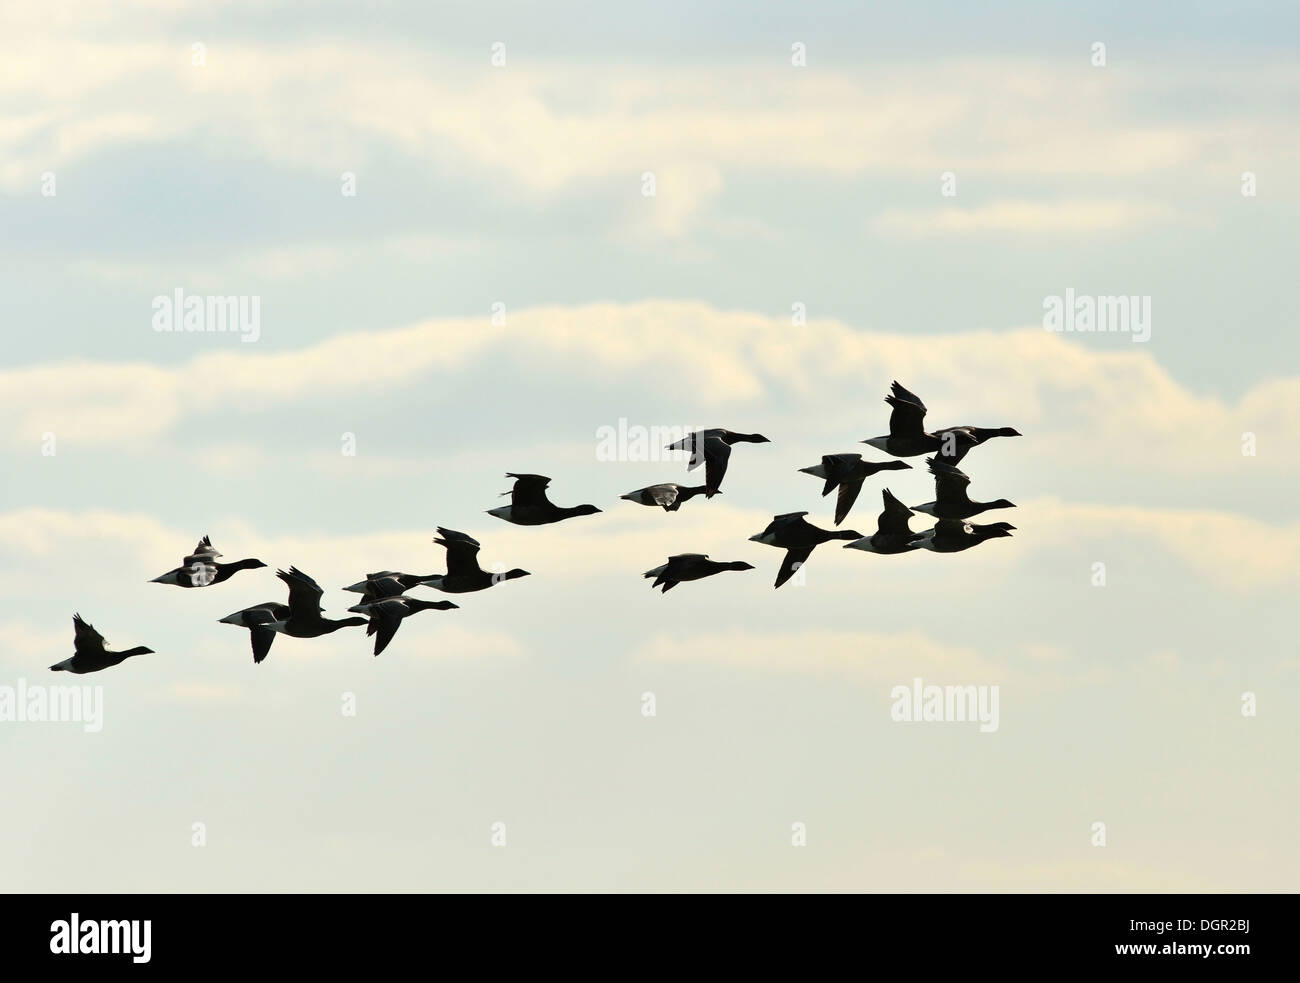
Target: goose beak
x,y
358,588
756,538
359,608
230,619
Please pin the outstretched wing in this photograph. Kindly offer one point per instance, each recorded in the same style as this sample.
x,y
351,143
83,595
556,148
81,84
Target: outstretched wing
x,y
203,551
529,490
894,518
304,594
716,454
949,483
795,557
262,639
462,552
908,418
86,641
849,490
385,619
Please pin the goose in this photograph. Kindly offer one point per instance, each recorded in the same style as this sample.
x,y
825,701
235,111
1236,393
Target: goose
x,y
89,652
847,471
258,620
893,534
953,535
950,495
690,566
798,538
669,495
464,575
304,620
529,505
201,569
907,436
388,583
386,614
952,450
712,448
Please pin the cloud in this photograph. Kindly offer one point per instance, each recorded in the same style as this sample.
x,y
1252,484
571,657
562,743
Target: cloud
x,y
1088,405
1018,216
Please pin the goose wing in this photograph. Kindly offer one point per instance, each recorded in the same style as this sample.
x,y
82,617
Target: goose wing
x,y
795,557
849,489
462,552
529,490
304,594
949,483
385,619
203,551
894,518
716,454
86,641
908,417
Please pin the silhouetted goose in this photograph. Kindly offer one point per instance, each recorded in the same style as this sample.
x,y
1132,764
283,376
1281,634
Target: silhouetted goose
x,y
847,472
258,620
951,451
89,652
712,448
669,495
907,436
893,534
386,614
388,583
201,569
798,538
953,535
464,575
305,619
690,566
950,495
529,505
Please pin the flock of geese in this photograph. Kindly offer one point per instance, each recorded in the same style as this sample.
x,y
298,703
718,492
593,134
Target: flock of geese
x,y
384,602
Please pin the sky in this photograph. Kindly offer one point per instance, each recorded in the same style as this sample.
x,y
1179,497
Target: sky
x,y
479,233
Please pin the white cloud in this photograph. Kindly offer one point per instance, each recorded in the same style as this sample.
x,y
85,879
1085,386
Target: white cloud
x,y
1083,404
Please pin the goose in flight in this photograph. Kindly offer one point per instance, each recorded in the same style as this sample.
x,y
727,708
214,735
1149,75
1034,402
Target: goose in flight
x,y
712,448
386,614
89,654
951,501
847,472
893,534
690,566
953,535
529,505
388,583
464,575
258,620
798,538
304,620
201,569
907,436
669,495
953,448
